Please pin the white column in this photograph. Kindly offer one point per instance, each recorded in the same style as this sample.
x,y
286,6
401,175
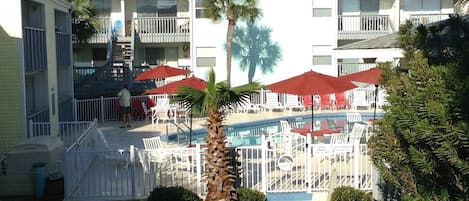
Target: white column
x,y
52,68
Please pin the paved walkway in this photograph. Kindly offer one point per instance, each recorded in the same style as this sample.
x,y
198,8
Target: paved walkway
x,y
121,138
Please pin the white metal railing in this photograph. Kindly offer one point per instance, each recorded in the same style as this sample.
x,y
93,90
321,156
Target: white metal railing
x,y
363,23
133,173
106,109
103,31
80,157
162,24
69,131
417,19
162,29
35,49
348,68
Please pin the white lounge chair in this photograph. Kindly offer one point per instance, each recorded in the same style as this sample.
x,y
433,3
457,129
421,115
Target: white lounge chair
x,y
359,99
246,106
272,102
292,102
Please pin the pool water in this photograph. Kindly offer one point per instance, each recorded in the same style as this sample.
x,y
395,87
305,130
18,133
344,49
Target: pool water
x,y
249,133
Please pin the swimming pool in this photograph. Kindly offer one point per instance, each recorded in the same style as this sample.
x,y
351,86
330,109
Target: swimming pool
x,y
249,133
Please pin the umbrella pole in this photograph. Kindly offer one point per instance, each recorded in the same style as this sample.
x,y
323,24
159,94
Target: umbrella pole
x,y
376,101
190,129
312,113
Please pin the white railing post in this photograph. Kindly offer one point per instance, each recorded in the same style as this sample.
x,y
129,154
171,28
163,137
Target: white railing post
x,y
101,103
74,109
132,172
30,129
308,156
264,164
356,163
198,166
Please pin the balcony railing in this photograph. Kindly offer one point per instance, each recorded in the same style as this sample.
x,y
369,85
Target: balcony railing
x,y
63,49
418,19
162,29
103,30
362,26
35,53
348,68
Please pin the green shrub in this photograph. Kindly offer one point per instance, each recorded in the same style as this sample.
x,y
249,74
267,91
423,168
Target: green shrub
x,y
162,193
247,194
347,193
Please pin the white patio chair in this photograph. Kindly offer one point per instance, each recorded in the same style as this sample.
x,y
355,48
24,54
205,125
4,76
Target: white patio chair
x,y
292,102
272,102
359,99
155,149
285,126
352,118
246,106
163,111
147,112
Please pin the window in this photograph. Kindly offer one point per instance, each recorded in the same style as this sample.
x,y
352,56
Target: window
x,y
206,56
322,55
199,9
156,8
322,60
322,12
102,7
156,56
322,8
422,5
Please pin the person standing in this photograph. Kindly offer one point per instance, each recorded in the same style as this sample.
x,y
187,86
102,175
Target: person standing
x,y
124,102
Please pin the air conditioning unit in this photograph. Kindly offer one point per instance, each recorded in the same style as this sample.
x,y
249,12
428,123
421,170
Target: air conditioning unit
x,y
45,149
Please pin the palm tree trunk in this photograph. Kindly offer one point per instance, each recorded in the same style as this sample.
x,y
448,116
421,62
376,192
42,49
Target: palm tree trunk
x,y
220,178
229,39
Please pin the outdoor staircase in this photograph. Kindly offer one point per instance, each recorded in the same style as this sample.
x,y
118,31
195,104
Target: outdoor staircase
x,y
111,76
122,59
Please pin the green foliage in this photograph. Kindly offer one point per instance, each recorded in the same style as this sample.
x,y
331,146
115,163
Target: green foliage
x,y
422,146
247,194
172,194
347,193
84,21
233,11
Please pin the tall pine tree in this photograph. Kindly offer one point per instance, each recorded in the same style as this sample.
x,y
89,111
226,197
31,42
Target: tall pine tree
x,y
422,146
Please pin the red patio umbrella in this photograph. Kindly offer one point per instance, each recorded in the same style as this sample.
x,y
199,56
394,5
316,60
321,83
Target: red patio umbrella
x,y
161,71
172,87
371,76
311,83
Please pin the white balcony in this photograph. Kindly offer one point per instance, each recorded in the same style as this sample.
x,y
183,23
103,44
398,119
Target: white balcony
x,y
358,27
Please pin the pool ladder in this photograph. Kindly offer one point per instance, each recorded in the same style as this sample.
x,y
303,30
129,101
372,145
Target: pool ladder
x,y
181,133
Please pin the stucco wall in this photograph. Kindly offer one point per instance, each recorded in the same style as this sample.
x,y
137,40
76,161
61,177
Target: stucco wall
x,y
294,30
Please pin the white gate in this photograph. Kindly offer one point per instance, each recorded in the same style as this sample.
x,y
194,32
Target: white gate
x,y
288,162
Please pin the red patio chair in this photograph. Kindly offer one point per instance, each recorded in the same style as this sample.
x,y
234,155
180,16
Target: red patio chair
x,y
137,110
151,103
326,101
307,101
341,101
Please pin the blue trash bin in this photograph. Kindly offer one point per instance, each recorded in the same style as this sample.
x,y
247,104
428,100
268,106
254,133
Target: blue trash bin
x,y
39,178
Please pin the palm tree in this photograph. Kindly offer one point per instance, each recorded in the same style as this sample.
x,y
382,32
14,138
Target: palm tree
x,y
254,47
233,11
84,21
212,101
